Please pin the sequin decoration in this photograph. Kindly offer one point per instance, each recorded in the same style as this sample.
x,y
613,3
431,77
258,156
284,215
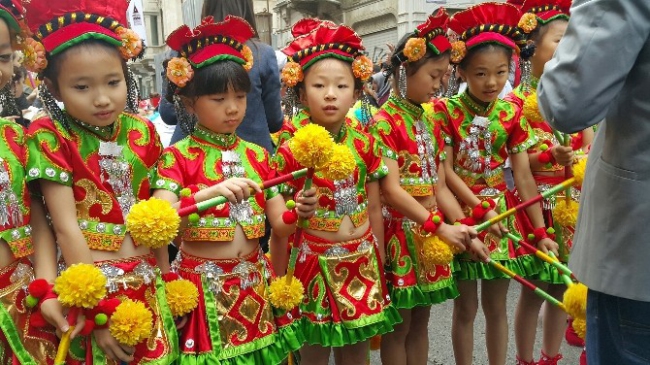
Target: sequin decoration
x,y
117,172
10,212
232,167
345,196
213,273
426,152
479,132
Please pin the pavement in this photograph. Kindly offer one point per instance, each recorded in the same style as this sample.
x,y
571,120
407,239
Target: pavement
x,y
440,350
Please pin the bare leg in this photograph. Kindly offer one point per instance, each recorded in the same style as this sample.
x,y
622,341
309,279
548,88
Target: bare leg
x,y
315,355
338,355
462,327
554,322
393,344
417,340
493,301
356,354
526,318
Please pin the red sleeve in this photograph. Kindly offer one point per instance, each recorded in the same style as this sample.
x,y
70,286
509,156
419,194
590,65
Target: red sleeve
x,y
170,171
48,156
520,134
284,163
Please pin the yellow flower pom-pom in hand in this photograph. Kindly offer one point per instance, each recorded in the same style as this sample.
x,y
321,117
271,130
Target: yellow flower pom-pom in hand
x,y
435,252
565,213
579,168
131,323
575,301
341,165
415,49
531,109
182,297
312,146
285,295
81,286
580,326
153,223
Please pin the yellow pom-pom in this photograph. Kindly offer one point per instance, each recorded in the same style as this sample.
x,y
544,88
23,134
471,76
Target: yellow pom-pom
x,y
435,252
285,295
415,49
531,109
528,22
80,285
575,301
565,212
153,223
579,169
182,297
131,323
341,165
312,146
580,326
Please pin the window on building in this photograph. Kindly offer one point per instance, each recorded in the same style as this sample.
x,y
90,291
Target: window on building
x,y
154,30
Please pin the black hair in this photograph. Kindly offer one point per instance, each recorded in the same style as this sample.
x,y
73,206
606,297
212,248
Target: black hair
x,y
219,9
216,78
485,47
54,62
398,57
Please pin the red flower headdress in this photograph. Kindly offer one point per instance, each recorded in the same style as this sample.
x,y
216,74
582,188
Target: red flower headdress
x,y
540,12
432,34
316,39
60,24
206,44
486,23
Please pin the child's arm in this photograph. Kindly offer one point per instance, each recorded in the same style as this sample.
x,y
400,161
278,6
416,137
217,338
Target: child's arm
x,y
63,211
527,189
276,206
375,217
445,198
402,201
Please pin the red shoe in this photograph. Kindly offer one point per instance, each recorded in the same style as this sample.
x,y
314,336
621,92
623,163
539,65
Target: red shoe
x,y
522,362
583,357
571,336
547,360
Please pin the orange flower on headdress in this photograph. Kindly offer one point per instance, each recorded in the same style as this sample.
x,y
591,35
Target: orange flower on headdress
x,y
248,56
458,51
362,68
131,43
179,71
528,22
415,49
292,74
35,60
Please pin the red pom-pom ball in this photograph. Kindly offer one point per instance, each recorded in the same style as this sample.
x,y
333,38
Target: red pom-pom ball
x,y
38,288
289,217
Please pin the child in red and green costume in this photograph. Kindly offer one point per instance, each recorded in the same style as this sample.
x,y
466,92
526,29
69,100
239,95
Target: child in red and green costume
x,y
544,22
93,160
340,261
234,322
415,193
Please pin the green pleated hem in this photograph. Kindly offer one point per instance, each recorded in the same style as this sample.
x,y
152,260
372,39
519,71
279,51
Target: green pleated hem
x,y
414,296
526,266
548,274
288,339
338,335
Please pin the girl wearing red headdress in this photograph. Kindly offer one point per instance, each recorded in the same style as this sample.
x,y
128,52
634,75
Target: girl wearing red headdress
x,y
346,302
93,160
234,322
24,230
544,21
483,131
415,193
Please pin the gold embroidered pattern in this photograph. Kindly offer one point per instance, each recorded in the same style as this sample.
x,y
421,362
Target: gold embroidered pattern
x,y
93,196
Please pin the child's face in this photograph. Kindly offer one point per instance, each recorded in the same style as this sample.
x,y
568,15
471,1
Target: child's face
x,y
6,62
91,84
220,113
545,47
426,81
486,73
328,92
